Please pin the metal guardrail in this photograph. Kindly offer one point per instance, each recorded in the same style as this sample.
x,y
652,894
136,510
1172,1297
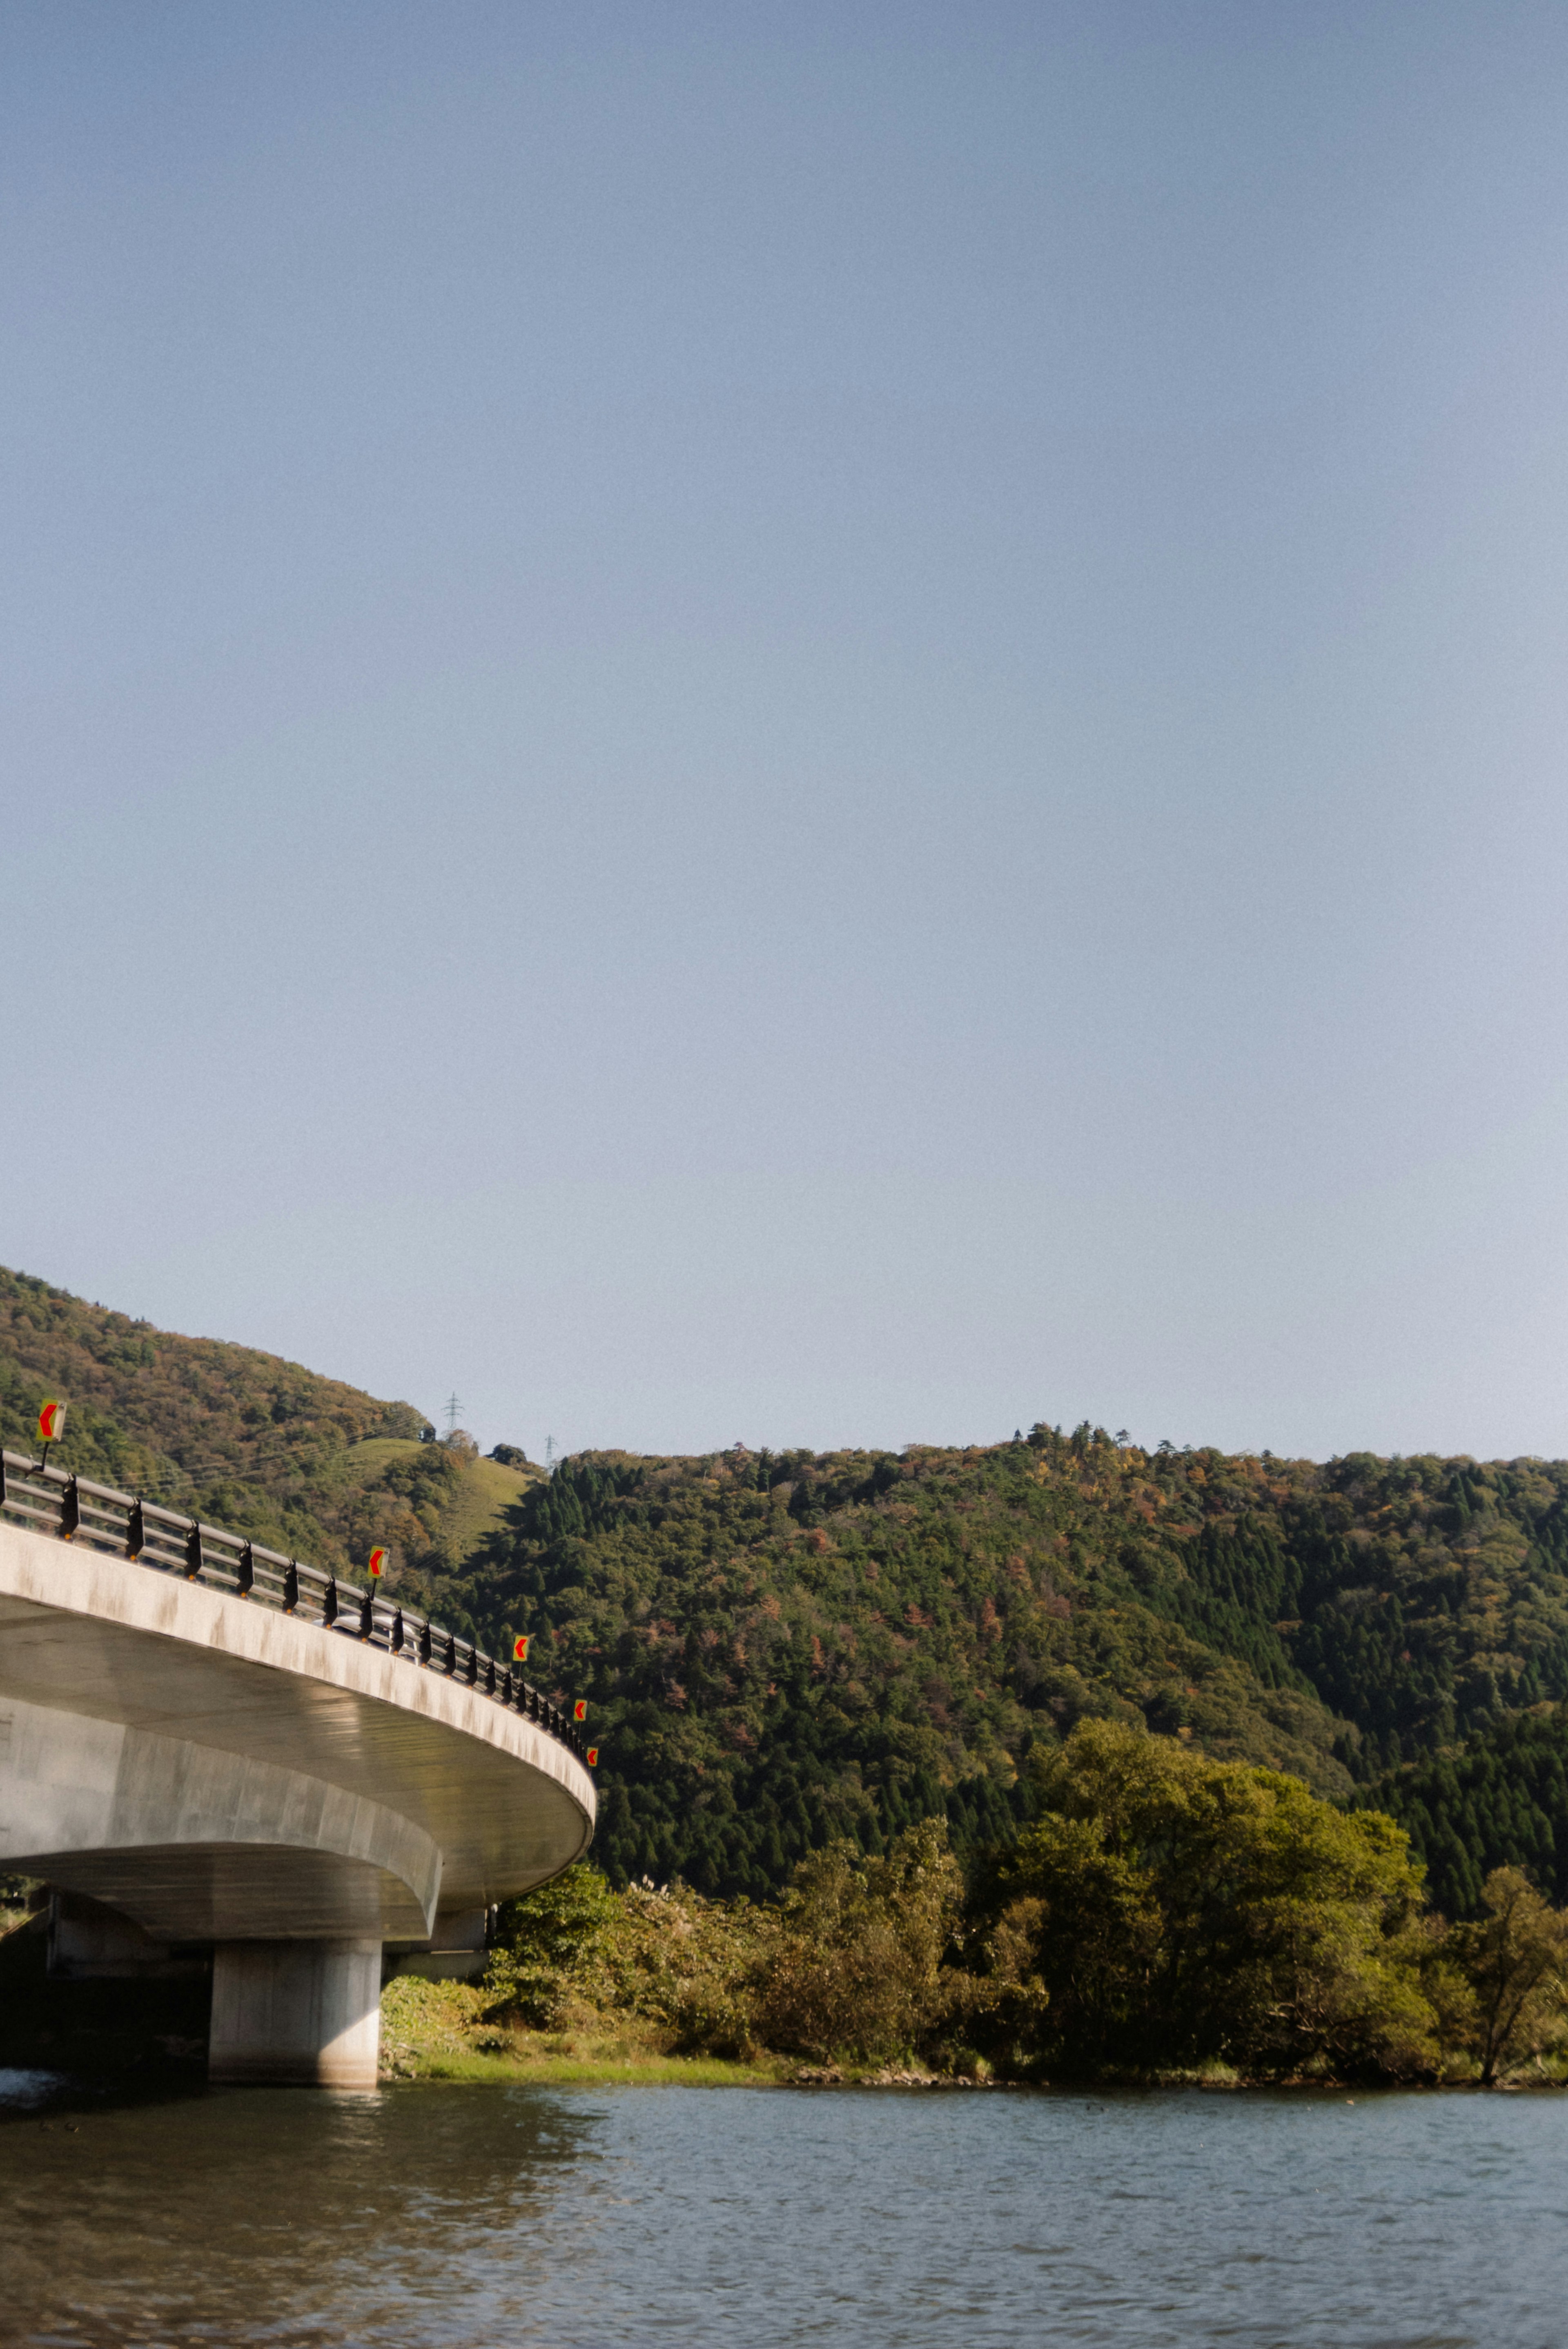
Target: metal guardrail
x,y
76,1510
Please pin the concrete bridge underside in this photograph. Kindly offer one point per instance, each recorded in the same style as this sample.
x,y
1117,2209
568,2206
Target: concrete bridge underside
x,y
223,1774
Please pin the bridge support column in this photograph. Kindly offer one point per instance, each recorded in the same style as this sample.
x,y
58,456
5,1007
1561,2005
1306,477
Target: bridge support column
x,y
307,2014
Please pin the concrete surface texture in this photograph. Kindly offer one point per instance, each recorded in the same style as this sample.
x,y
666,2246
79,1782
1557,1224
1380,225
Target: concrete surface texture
x,y
219,1772
296,2014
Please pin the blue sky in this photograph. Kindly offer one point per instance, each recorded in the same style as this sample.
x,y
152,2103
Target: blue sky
x,y
823,724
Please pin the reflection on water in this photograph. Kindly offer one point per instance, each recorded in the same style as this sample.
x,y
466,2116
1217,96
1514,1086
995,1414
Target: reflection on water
x,y
429,2215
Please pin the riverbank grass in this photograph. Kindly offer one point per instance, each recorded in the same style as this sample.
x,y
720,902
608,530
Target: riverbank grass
x,y
438,2030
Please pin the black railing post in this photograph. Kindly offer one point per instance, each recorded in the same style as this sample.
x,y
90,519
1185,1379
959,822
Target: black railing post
x,y
193,1551
291,1587
424,1644
329,1604
395,1642
247,1572
368,1615
71,1512
135,1530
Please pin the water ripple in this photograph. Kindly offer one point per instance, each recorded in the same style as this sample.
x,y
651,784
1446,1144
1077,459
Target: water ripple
x,y
429,2217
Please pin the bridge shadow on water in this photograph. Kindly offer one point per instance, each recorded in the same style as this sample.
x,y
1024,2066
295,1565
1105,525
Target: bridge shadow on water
x,y
96,2041
165,2212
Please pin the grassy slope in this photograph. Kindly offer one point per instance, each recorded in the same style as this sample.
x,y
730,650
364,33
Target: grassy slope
x,y
474,1500
240,1437
436,2031
485,1491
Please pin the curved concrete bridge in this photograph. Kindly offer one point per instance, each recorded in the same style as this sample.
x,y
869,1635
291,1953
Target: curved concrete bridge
x,y
227,1748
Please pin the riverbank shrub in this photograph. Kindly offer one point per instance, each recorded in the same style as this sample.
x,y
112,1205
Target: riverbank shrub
x,y
1166,1913
851,1963
855,1967
575,1951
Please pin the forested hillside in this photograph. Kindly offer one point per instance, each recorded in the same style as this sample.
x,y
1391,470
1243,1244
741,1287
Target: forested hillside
x,y
1500,1800
778,1650
241,1438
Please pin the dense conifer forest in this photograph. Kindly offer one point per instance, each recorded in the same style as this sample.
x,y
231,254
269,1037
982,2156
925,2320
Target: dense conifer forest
x,y
1497,1800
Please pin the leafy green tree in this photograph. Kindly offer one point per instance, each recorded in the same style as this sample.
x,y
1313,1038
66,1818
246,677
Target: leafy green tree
x,y
550,1947
1183,1911
1515,1960
856,1968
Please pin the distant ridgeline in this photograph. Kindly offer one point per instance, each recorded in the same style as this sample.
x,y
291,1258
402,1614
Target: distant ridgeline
x,y
778,1650
781,1649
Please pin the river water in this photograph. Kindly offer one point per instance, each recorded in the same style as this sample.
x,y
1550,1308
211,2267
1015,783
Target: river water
x,y
593,2218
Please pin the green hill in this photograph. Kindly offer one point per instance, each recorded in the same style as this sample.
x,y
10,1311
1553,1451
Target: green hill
x,y
241,1438
777,1651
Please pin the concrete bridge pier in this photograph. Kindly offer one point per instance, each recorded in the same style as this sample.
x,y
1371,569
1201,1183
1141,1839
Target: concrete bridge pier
x,y
296,2014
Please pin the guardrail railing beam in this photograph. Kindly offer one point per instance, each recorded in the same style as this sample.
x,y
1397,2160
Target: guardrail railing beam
x,y
125,1525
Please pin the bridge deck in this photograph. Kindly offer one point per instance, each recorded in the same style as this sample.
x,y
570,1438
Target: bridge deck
x,y
221,1770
